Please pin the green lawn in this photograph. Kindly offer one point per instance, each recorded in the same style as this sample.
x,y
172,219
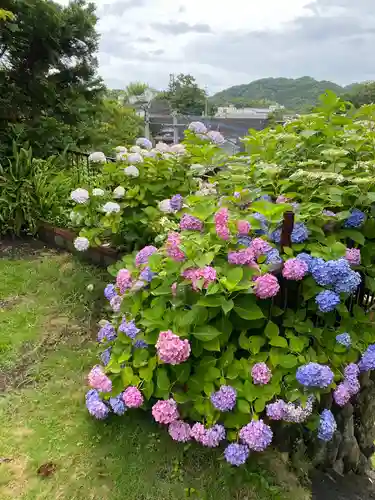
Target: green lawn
x,y
47,329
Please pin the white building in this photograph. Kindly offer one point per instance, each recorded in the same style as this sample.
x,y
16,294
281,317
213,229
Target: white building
x,y
233,112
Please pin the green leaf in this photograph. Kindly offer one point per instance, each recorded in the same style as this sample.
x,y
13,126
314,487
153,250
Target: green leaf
x,y
288,361
250,314
127,375
226,305
259,405
256,342
162,379
233,370
354,235
278,342
146,374
140,358
243,406
207,333
234,276
271,330
212,289
244,342
182,372
297,344
210,301
148,389
212,345
212,374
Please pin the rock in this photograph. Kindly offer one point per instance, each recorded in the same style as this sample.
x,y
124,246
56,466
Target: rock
x,y
333,447
338,467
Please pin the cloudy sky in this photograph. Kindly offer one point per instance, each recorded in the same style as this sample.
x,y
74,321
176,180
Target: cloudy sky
x,y
236,43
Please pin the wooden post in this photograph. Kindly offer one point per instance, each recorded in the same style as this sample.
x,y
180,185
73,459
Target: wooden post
x,y
286,230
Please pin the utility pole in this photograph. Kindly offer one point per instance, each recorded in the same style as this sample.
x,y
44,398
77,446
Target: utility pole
x,y
205,102
175,127
147,120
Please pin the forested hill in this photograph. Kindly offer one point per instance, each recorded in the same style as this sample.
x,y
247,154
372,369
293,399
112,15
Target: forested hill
x,y
295,94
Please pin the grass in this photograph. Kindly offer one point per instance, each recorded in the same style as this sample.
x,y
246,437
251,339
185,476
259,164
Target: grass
x,y
46,351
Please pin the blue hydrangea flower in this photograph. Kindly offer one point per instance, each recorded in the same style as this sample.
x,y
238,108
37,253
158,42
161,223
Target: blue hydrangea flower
x,y
225,398
147,275
273,257
92,394
244,240
129,329
327,426
236,454
96,407
263,223
320,272
140,344
344,339
367,362
117,404
307,259
107,333
355,219
299,234
348,283
265,197
327,301
110,292
105,356
314,375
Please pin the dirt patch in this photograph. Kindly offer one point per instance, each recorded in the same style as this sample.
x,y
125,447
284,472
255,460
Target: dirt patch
x,y
19,248
14,478
332,486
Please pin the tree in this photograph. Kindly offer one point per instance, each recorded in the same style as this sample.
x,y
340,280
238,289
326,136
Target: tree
x,y
50,89
185,96
361,94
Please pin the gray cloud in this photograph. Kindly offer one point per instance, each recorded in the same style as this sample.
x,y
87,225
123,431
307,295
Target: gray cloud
x,y
145,39
119,7
334,40
180,28
157,52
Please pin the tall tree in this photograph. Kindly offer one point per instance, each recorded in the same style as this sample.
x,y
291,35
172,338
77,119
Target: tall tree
x,y
50,89
185,96
363,93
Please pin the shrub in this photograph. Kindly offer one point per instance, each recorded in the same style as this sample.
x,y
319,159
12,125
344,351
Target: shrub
x,y
239,320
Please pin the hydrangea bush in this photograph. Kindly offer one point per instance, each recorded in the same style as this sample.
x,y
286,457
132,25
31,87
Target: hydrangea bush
x,y
225,329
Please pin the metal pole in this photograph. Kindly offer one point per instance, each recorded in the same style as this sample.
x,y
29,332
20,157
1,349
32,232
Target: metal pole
x,y
175,128
147,122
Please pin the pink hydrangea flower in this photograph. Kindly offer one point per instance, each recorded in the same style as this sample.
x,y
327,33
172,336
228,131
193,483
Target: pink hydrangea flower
x,y
165,412
132,397
266,286
98,380
190,223
171,349
173,249
198,432
180,431
295,269
353,256
124,280
242,257
261,374
144,254
243,227
282,199
207,273
221,223
341,394
174,289
259,247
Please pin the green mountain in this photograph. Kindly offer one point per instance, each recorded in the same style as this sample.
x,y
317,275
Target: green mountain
x,y
298,94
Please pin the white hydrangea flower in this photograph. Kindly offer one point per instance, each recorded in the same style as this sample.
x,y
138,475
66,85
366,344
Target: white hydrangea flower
x,y
149,154
111,208
135,158
80,195
121,156
166,156
198,127
178,149
81,244
97,192
215,137
197,168
119,192
165,206
131,171
143,142
135,149
121,149
97,157
162,147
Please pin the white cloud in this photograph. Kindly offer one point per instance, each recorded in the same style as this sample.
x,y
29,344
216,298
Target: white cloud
x,y
233,43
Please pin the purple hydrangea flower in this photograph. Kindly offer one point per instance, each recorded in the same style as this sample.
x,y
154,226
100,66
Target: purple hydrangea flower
x,y
327,301
305,257
115,303
198,127
176,202
299,234
216,137
117,404
355,219
129,329
144,254
265,197
213,436
236,454
263,223
315,375
289,412
95,405
190,223
276,410
257,435
147,275
179,431
140,344
367,361
110,291
105,356
341,394
351,371
261,374
107,333
344,339
225,398
351,374
273,257
327,426
328,213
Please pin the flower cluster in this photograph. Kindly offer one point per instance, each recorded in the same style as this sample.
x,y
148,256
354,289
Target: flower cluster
x,y
171,349
261,374
225,398
190,223
165,412
327,426
173,247
144,254
221,224
98,380
266,286
256,435
295,269
315,375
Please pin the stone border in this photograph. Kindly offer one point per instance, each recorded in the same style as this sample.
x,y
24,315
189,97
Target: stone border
x,y
57,237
